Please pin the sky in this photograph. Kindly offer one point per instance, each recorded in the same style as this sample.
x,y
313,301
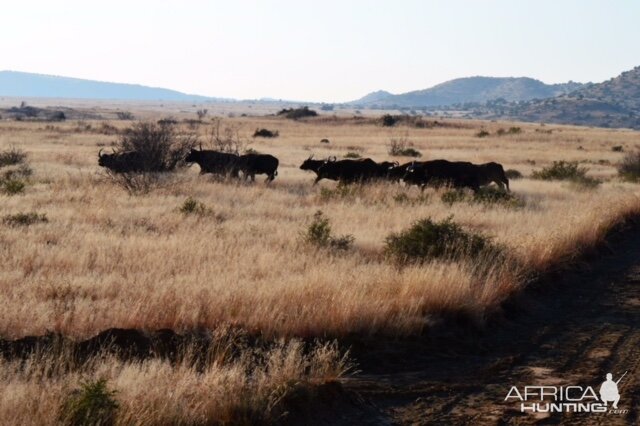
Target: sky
x,y
323,51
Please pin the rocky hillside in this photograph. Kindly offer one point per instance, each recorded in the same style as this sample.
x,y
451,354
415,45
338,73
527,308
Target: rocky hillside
x,y
469,90
613,103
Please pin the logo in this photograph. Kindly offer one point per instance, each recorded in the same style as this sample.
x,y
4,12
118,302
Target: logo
x,y
568,399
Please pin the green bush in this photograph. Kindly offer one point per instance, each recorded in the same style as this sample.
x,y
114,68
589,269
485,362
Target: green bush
x,y
12,186
561,170
93,404
388,120
24,219
191,206
482,134
514,130
513,174
427,239
318,233
629,169
265,133
12,156
296,113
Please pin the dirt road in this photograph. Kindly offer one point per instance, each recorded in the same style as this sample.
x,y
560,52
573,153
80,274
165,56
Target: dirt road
x,y
570,332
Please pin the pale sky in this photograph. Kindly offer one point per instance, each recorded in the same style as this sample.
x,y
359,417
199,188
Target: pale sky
x,y
330,51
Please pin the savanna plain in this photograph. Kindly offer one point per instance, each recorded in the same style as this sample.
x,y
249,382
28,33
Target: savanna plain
x,y
236,260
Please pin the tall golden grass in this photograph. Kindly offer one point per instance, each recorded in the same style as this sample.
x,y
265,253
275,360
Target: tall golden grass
x,y
107,259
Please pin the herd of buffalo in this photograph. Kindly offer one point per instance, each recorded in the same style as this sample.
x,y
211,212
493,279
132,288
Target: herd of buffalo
x,y
458,174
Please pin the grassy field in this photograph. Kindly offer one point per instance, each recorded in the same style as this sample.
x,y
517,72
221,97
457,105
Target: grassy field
x,y
104,258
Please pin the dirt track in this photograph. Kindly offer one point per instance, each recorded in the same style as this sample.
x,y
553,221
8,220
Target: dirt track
x,y
569,332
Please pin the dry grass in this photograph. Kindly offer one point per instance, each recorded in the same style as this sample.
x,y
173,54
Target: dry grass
x,y
106,259
247,390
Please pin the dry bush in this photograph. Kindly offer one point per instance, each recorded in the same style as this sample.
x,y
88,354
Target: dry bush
x,y
225,137
401,147
629,168
162,146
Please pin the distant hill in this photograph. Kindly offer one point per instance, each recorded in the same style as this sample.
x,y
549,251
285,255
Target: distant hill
x,y
377,96
22,84
613,103
470,89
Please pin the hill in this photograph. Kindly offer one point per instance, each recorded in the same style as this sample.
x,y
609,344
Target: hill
x,y
22,84
468,90
613,103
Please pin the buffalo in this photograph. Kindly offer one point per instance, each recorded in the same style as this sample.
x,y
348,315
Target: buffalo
x,y
349,171
253,164
459,174
123,162
314,165
493,172
399,172
218,163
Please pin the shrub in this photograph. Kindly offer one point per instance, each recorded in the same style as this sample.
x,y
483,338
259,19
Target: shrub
x,y
561,170
193,206
482,134
388,120
125,115
24,219
12,156
23,171
513,174
225,137
629,169
318,233
324,140
296,113
57,116
12,186
352,154
399,147
161,146
92,404
427,239
265,133
514,130
617,148
501,132
201,113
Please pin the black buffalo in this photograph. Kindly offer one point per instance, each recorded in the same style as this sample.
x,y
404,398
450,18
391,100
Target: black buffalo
x,y
218,163
314,165
123,162
349,171
256,164
385,168
398,173
458,174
